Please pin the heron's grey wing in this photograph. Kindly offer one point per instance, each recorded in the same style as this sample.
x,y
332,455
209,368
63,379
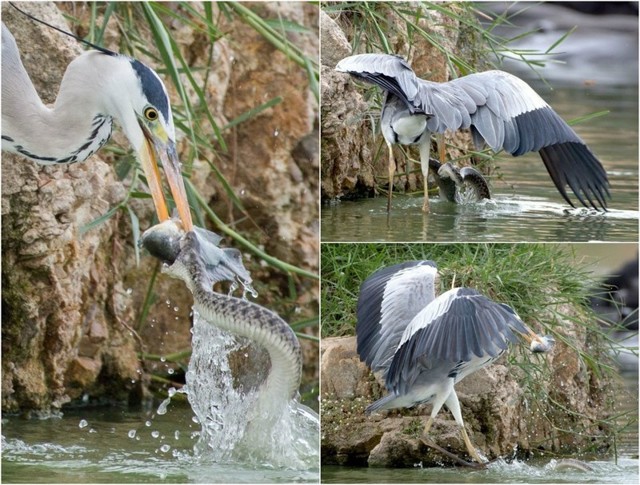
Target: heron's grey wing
x,y
458,326
508,114
391,73
389,299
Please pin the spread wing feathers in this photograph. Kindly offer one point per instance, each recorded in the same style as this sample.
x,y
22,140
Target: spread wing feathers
x,y
389,299
458,326
501,110
391,73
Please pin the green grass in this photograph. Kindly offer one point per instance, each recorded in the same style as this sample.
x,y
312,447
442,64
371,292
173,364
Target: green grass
x,y
530,277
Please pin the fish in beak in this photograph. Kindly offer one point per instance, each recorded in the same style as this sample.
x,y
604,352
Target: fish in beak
x,y
160,148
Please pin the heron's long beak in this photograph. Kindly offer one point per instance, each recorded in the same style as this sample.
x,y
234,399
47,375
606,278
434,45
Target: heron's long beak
x,y
538,343
154,149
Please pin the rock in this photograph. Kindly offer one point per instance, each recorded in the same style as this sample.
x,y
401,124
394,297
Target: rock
x,y
335,45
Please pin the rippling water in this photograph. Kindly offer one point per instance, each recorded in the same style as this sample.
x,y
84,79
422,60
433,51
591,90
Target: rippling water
x,y
214,441
119,446
625,471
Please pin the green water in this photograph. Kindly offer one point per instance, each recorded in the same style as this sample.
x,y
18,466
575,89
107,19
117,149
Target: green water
x,y
120,446
625,471
526,205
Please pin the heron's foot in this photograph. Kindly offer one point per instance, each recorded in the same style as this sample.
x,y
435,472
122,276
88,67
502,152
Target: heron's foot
x,y
470,448
455,458
425,207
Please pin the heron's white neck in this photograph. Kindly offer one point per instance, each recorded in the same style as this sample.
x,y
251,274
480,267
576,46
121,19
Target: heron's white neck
x,y
79,122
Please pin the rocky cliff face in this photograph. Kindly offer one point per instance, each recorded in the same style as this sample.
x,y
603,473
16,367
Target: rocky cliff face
x,y
71,301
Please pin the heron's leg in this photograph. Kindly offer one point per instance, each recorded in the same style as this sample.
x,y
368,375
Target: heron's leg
x,y
425,151
454,406
392,169
438,402
427,426
442,147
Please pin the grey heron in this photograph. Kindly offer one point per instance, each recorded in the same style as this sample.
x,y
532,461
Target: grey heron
x,y
98,88
423,345
501,111
459,185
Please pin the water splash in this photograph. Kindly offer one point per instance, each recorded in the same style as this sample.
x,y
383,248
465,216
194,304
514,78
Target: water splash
x,y
231,429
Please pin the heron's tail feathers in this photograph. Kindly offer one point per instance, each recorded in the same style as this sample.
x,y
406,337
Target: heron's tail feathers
x,y
386,402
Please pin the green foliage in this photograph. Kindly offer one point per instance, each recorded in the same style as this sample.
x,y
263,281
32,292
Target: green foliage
x,y
532,278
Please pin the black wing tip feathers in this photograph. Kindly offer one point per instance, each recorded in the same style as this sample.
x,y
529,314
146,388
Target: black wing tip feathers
x,y
573,164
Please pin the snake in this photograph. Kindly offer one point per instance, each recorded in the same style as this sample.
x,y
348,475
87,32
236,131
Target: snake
x,y
195,258
459,185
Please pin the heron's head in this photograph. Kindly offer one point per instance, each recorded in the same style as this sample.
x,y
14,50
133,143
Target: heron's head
x,y
145,115
542,344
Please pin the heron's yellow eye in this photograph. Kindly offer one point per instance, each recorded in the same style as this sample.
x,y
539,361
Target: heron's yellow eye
x,y
151,114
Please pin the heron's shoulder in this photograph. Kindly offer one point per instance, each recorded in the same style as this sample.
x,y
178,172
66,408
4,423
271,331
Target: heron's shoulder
x,y
496,77
373,62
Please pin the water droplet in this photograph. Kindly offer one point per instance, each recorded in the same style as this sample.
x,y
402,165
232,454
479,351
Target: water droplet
x,y
170,371
195,419
147,423
171,391
83,423
92,430
131,433
163,359
168,302
129,291
276,132
155,434
162,409
165,448
175,308
176,434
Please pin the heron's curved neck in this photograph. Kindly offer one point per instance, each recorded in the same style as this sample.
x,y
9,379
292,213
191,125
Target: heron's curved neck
x,y
77,125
